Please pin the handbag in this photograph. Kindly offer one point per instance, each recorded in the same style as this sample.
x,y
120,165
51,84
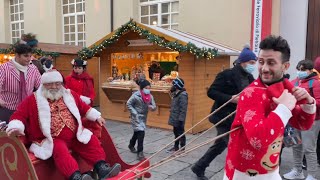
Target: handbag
x,y
291,137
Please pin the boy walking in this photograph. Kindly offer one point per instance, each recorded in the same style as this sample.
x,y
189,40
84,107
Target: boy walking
x,y
178,112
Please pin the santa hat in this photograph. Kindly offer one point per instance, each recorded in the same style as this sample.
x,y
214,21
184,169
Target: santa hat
x,y
51,76
246,55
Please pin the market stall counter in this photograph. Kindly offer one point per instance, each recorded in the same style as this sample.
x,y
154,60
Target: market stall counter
x,y
120,92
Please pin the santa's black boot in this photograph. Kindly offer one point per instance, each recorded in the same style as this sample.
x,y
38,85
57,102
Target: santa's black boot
x,y
78,176
103,170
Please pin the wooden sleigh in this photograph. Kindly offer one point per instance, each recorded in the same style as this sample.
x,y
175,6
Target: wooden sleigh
x,y
19,164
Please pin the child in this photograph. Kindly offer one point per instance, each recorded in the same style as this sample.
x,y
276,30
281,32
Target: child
x,y
178,112
139,104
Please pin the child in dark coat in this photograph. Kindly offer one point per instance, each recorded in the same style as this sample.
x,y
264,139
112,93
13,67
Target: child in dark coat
x,y
178,112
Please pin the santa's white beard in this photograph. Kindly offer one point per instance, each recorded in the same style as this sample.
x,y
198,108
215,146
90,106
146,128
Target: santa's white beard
x,y
52,94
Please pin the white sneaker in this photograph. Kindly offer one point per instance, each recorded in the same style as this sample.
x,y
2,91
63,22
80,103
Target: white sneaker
x,y
294,174
310,177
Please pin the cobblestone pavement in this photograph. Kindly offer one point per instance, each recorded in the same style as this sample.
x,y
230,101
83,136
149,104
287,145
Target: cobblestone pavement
x,y
178,169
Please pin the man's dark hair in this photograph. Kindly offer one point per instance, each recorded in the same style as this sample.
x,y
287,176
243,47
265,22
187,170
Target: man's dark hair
x,y
22,49
305,65
276,43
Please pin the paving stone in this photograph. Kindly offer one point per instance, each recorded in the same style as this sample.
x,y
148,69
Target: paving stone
x,y
157,176
172,167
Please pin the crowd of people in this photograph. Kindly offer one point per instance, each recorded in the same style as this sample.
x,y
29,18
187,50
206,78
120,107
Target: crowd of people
x,y
54,112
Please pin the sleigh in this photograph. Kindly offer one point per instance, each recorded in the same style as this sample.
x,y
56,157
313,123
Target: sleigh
x,y
17,163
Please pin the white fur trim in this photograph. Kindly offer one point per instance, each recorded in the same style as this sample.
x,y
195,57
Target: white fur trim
x,y
85,99
16,124
43,150
274,175
44,113
284,113
84,135
93,114
51,76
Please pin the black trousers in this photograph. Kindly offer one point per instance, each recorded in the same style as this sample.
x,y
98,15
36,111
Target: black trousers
x,y
217,148
177,131
137,135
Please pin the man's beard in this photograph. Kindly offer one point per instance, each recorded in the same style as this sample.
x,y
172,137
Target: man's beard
x,y
52,94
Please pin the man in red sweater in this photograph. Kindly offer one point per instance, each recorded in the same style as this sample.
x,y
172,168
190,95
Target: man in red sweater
x,y
264,108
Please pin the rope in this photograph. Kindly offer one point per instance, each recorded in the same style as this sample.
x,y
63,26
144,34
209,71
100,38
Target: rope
x,y
181,135
145,170
194,139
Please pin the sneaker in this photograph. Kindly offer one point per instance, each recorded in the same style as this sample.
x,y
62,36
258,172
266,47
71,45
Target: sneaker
x,y
140,156
132,149
199,172
294,174
310,177
171,150
102,170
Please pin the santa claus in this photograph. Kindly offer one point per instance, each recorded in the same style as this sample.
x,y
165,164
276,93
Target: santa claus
x,y
51,119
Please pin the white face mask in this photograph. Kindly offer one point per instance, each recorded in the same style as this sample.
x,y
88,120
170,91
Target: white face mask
x,y
250,68
302,74
146,91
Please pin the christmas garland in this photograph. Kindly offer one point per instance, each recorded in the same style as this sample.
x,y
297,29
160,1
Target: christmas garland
x,y
38,52
87,53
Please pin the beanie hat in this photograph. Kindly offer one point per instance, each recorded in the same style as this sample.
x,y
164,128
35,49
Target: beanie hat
x,y
317,64
246,55
78,62
144,83
51,76
178,83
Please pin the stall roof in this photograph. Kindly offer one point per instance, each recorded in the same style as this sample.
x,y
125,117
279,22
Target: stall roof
x,y
170,35
197,40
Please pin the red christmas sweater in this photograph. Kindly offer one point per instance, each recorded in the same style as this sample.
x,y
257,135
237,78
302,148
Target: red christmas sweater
x,y
254,149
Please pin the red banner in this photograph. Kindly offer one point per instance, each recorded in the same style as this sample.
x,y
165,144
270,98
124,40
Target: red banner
x,y
260,22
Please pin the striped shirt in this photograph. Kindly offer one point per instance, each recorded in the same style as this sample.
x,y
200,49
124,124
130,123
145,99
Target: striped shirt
x,y
10,83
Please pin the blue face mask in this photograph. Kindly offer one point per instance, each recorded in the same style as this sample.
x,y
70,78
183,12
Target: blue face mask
x,y
250,68
146,91
302,74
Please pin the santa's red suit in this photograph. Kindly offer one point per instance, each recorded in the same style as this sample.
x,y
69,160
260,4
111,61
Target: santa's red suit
x,y
54,127
253,150
82,84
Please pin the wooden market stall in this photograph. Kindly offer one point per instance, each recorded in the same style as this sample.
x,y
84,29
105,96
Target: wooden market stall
x,y
63,60
134,46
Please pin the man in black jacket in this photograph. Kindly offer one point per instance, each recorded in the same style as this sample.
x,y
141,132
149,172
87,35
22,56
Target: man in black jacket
x,y
227,85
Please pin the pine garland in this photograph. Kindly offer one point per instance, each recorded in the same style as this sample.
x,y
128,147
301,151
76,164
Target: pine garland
x,y
36,51
87,53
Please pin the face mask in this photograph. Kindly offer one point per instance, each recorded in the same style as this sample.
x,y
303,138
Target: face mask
x,y
249,68
173,89
302,74
146,91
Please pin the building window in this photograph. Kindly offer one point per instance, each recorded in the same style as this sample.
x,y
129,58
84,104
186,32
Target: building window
x,y
16,19
73,12
163,13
